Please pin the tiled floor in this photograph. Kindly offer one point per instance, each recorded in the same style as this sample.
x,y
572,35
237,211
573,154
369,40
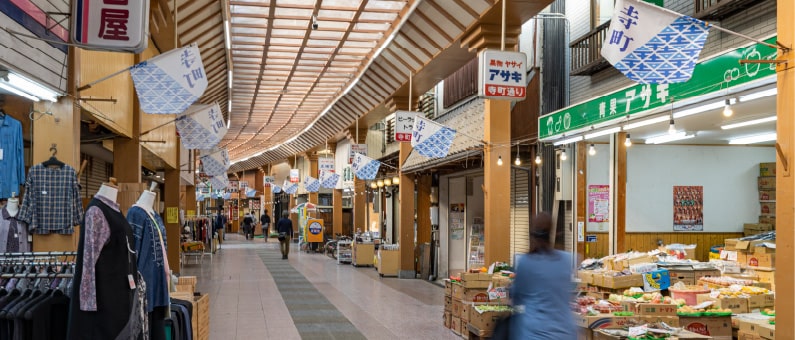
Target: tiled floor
x,y
254,294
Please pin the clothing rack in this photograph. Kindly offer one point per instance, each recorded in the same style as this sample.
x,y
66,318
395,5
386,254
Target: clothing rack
x,y
37,276
44,253
202,233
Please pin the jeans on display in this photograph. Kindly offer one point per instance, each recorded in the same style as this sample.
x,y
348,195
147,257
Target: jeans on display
x,y
285,247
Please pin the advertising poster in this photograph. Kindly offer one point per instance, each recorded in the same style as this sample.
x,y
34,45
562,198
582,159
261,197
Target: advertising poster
x,y
598,206
295,175
688,208
457,221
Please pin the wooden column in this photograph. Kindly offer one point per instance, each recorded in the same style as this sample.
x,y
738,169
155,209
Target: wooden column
x,y
313,172
497,180
405,223
171,198
267,199
61,129
127,166
337,212
582,197
621,193
190,200
785,160
424,209
360,187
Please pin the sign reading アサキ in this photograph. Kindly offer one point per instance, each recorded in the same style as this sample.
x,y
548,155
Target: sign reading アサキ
x,y
502,75
118,25
404,123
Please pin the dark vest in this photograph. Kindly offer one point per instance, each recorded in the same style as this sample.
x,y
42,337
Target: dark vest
x,y
114,296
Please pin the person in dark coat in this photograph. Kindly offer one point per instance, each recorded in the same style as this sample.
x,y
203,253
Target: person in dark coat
x,y
266,224
285,229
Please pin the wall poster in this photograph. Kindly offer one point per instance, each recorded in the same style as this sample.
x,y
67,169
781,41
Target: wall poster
x,y
457,220
598,203
688,208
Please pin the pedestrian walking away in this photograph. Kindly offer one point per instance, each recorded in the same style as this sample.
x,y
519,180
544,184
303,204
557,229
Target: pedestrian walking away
x,y
266,223
285,229
248,226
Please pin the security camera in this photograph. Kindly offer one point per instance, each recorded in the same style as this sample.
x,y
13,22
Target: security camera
x,y
314,22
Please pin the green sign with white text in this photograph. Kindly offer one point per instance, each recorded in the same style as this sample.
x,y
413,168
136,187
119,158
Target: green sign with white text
x,y
715,74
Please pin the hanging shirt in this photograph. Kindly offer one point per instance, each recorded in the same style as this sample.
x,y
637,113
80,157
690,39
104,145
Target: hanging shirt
x,y
14,232
52,200
151,255
12,163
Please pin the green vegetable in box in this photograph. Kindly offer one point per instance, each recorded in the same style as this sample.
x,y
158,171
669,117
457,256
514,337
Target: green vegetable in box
x,y
493,308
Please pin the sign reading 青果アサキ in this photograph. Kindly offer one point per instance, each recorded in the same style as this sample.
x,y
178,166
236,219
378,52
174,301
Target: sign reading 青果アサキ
x,y
715,74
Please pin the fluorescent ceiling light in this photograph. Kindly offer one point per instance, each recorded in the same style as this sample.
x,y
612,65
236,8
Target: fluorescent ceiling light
x,y
29,87
703,108
13,90
748,123
603,132
569,140
227,35
646,122
754,139
760,94
669,138
230,79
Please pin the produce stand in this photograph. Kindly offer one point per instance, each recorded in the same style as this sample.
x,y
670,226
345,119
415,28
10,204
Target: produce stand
x,y
344,251
363,254
388,262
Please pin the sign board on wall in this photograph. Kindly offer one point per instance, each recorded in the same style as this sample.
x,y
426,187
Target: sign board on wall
x,y
268,181
598,206
502,75
404,123
295,176
688,208
314,228
233,187
357,148
118,25
325,163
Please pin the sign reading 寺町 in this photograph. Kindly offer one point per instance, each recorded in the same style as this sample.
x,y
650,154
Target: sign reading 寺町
x,y
712,75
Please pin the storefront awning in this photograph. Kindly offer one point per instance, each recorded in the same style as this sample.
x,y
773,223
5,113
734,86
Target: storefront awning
x,y
467,120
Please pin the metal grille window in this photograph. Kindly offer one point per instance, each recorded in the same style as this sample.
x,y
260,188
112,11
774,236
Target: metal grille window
x,y
520,211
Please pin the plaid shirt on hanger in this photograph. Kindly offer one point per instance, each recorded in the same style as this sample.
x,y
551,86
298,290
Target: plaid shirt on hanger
x,y
52,200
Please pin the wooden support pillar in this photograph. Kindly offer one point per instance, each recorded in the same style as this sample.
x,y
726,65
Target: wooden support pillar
x,y
61,129
406,217
582,198
171,215
190,200
621,193
785,197
497,180
267,199
424,209
337,212
313,172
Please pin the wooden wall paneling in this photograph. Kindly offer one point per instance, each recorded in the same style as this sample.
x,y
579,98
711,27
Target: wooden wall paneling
x,y
116,116
647,241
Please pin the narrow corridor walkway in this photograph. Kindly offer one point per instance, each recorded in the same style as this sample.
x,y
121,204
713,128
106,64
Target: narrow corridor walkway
x,y
254,294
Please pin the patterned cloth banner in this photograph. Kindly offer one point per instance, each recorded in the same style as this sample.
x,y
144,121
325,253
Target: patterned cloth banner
x,y
215,196
219,182
201,126
276,189
227,196
329,179
311,184
215,163
651,45
250,192
292,188
199,198
430,138
365,167
170,82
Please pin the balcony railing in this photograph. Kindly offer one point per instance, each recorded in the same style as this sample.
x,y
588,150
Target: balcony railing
x,y
585,52
719,9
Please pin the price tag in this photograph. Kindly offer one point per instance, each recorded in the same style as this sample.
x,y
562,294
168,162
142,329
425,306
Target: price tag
x,y
637,331
131,280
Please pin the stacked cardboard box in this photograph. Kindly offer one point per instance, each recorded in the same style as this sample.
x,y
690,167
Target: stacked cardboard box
x,y
462,298
448,303
767,193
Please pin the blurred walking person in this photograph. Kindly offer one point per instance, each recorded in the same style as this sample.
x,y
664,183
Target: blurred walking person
x,y
285,229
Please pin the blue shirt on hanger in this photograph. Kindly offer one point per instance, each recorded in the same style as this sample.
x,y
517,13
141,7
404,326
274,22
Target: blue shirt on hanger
x,y
12,163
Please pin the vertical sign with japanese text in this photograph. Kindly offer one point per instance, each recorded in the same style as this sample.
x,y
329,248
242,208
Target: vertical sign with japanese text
x,y
295,176
268,181
404,123
357,148
118,25
325,163
502,75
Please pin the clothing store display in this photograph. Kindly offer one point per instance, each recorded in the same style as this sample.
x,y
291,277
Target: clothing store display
x,y
52,201
13,233
151,260
105,301
12,163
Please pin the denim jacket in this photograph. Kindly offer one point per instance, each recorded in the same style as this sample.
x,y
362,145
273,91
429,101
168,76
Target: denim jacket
x,y
150,255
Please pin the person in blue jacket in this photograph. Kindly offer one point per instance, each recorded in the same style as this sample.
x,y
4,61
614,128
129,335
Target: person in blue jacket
x,y
542,289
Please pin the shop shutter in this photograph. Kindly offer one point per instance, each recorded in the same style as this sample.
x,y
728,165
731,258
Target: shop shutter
x,y
520,211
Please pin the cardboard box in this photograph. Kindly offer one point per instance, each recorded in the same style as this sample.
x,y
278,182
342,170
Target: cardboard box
x,y
768,220
455,325
737,305
760,301
458,305
730,243
448,303
761,260
767,183
598,279
446,320
767,169
745,335
485,321
458,291
585,276
656,309
767,331
475,295
476,284
448,288
610,321
767,208
751,325
656,280
747,246
498,280
626,281
624,264
764,250
767,195
685,276
756,228
714,326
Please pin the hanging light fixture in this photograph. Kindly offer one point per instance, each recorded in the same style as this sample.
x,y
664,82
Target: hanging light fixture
x,y
671,127
380,183
538,159
592,150
373,185
563,156
396,180
499,160
517,161
628,141
727,109
388,182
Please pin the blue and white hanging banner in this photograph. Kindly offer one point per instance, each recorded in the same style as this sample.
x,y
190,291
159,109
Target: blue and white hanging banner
x,y
292,188
201,126
430,138
227,196
219,182
215,163
365,167
329,179
250,192
215,196
170,82
311,184
651,45
276,189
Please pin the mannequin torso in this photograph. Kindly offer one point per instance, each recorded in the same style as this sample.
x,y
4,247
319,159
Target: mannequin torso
x,y
108,192
12,206
146,201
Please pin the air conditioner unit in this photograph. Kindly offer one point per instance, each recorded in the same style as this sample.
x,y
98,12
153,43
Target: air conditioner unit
x,y
563,175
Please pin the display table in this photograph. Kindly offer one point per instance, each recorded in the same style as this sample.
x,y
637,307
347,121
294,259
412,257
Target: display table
x,y
363,254
388,262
